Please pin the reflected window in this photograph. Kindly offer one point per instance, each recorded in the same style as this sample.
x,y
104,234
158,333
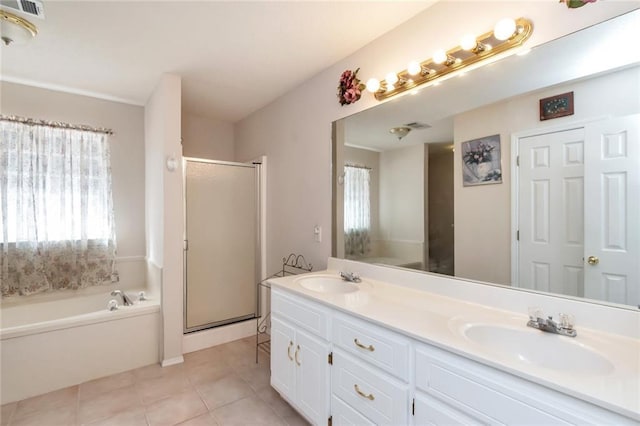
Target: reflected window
x,y
357,210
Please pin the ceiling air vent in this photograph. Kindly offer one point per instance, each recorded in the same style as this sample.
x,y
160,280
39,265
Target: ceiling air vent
x,y
417,125
28,7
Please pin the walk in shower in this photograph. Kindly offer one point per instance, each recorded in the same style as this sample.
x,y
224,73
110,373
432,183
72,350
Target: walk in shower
x,y
221,242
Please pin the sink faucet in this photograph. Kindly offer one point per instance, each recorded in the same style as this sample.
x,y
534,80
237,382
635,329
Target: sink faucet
x,y
564,327
352,277
125,299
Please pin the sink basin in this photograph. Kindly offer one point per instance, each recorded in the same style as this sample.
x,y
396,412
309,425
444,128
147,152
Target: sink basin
x,y
538,348
327,284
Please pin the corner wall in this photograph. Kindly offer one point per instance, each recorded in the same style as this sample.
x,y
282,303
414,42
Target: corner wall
x,y
164,207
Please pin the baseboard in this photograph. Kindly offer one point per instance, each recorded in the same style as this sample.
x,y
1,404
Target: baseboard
x,y
172,361
216,336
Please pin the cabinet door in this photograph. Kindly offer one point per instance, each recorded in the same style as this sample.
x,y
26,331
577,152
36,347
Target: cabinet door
x,y
312,377
283,367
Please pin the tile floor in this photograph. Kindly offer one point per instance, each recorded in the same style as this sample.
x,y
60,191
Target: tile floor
x,y
222,385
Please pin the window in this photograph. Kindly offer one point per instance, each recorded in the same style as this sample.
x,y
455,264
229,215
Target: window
x,y
56,220
357,210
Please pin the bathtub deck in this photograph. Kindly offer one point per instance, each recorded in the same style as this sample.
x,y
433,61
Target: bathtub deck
x,y
214,386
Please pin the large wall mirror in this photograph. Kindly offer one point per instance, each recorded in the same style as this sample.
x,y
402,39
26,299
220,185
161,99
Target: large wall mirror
x,y
483,188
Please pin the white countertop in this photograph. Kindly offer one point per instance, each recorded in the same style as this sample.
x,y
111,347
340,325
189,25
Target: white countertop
x,y
438,320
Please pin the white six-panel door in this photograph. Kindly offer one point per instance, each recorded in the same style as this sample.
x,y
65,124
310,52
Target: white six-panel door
x,y
551,212
579,211
612,210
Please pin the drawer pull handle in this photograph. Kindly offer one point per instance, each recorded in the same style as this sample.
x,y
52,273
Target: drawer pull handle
x,y
360,345
289,351
296,355
370,396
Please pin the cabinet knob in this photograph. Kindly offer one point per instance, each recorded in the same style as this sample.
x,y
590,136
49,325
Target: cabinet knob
x,y
369,396
369,348
289,351
593,260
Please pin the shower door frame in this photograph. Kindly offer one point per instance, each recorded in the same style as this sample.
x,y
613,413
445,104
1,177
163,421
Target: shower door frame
x,y
259,166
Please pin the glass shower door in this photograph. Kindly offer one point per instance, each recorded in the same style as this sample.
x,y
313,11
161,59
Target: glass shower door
x,y
221,213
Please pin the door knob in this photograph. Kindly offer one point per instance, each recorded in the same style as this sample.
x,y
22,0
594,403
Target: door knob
x,y
592,260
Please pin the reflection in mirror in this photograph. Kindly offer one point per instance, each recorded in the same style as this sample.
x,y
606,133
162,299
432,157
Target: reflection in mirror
x,y
565,220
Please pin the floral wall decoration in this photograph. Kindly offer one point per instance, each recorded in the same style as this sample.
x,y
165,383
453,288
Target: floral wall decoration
x,y
573,4
349,87
481,160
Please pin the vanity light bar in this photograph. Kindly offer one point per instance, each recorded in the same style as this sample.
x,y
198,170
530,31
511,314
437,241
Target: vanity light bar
x,y
442,63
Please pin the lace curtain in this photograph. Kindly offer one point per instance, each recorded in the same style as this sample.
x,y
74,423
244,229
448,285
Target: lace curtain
x,y
56,226
357,211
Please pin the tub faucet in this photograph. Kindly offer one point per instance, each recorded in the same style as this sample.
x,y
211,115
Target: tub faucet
x,y
125,299
352,277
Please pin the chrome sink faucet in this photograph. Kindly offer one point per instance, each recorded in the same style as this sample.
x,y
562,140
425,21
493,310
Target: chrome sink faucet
x,y
564,327
352,277
125,299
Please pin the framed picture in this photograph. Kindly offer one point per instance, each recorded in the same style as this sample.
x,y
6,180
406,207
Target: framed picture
x,y
481,161
556,106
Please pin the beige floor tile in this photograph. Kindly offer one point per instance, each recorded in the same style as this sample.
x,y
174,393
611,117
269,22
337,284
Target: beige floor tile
x,y
224,391
215,354
63,397
162,387
97,387
131,417
155,371
247,411
275,401
7,413
256,376
108,404
203,420
176,409
295,419
207,372
65,415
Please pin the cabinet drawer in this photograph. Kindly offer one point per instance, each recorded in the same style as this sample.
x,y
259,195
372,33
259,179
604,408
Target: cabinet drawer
x,y
382,348
430,411
343,415
300,312
376,395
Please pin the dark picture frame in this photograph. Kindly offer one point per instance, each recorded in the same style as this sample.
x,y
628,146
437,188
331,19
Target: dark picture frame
x,y
556,106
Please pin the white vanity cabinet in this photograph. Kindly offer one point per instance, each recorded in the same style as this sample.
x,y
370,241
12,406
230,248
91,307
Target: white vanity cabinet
x,y
451,389
371,370
299,354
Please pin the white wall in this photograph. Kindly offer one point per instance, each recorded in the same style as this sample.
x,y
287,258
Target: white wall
x,y
127,158
204,137
483,252
295,130
402,194
164,211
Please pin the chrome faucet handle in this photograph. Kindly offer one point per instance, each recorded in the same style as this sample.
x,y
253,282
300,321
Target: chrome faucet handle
x,y
567,321
535,313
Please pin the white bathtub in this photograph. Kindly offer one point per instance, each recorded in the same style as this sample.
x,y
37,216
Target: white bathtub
x,y
52,344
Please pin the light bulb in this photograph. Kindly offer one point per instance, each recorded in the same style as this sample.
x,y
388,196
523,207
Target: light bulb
x,y
414,68
504,29
391,78
439,56
373,84
468,42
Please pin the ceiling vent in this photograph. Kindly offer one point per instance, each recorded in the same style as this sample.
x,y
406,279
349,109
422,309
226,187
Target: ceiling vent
x,y
28,7
417,125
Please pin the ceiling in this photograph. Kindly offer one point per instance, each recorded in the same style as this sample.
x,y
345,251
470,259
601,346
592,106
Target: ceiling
x,y
234,57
